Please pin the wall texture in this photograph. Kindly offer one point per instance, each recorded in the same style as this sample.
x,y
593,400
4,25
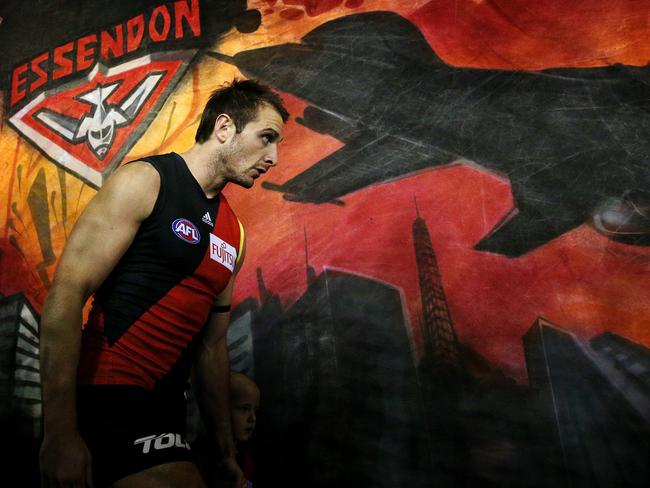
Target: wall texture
x,y
446,280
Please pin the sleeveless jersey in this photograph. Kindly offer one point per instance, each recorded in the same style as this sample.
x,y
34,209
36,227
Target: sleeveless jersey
x,y
158,297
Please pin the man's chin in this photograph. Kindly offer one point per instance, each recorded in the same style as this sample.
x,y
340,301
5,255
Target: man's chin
x,y
244,182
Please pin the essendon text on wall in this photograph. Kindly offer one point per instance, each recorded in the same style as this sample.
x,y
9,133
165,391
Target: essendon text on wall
x,y
163,23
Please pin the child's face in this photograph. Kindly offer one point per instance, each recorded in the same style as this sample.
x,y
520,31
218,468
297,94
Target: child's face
x,y
244,404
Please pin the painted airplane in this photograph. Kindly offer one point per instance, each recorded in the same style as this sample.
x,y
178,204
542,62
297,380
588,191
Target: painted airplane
x,y
573,143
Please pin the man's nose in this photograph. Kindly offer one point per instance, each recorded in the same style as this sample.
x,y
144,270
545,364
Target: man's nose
x,y
272,155
252,418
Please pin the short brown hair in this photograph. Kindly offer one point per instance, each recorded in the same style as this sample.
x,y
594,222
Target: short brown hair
x,y
240,100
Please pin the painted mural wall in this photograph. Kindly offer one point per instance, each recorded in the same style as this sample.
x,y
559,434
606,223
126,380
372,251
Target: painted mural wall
x,y
447,279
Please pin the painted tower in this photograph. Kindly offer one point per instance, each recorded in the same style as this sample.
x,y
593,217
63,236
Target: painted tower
x,y
441,347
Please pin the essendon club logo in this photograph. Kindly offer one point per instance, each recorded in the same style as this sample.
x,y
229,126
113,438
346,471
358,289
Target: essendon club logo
x,y
88,125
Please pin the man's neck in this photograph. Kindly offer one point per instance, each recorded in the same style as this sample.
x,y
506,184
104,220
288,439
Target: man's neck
x,y
200,161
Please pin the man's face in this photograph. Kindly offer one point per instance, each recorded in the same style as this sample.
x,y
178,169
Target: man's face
x,y
255,149
244,404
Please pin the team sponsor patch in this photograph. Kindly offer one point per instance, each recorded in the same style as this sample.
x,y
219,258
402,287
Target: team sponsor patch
x,y
206,218
222,252
162,441
186,230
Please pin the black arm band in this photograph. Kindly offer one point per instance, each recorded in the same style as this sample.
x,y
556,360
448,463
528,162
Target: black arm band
x,y
220,308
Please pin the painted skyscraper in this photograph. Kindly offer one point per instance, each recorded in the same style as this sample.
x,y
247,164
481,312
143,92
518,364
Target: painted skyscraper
x,y
440,341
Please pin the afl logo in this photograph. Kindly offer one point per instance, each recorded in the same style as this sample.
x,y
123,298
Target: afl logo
x,y
186,230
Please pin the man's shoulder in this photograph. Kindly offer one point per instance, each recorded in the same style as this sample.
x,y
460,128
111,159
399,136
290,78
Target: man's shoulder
x,y
134,186
140,171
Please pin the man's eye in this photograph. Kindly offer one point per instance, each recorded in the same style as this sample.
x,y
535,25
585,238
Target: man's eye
x,y
266,138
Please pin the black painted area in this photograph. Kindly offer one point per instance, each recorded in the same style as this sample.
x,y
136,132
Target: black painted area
x,y
567,139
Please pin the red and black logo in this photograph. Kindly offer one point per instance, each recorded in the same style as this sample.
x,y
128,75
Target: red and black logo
x,y
88,125
84,99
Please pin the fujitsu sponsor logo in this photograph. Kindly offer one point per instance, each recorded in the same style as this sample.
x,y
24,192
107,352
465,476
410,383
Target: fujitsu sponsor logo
x,y
186,230
161,441
222,252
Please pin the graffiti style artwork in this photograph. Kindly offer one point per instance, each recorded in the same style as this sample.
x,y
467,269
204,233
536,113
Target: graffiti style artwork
x,y
446,278
91,144
569,126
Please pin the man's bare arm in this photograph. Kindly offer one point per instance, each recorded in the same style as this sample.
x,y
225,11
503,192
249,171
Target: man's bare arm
x,y
99,239
212,382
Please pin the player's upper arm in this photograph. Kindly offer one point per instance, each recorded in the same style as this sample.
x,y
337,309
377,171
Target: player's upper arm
x,y
107,227
224,298
219,319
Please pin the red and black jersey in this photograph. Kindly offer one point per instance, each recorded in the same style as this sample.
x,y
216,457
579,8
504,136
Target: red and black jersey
x,y
157,299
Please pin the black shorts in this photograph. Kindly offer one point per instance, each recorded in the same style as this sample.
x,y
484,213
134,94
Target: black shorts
x,y
129,429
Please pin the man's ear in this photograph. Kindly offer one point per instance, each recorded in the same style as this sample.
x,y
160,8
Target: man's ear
x,y
224,127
